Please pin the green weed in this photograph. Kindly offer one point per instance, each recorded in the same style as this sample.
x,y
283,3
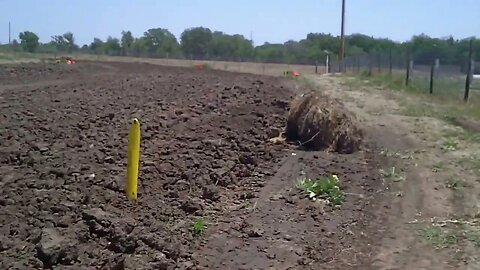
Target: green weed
x,y
440,238
199,226
438,166
456,183
326,187
472,234
392,174
449,144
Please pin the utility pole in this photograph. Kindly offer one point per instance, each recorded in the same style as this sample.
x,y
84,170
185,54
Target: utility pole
x,y
342,35
9,33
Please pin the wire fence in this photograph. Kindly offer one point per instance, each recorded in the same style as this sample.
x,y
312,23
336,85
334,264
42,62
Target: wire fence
x,y
456,81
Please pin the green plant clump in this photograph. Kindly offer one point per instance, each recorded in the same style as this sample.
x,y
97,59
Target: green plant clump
x,y
326,187
199,226
438,237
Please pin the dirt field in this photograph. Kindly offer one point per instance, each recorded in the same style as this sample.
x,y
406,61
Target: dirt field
x,y
205,155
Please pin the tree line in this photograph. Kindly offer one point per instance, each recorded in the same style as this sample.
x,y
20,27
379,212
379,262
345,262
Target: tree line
x,y
202,43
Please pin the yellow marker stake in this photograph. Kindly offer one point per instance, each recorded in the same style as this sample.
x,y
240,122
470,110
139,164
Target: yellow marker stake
x,y
133,159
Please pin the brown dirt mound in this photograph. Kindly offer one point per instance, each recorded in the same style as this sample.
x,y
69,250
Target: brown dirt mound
x,y
319,123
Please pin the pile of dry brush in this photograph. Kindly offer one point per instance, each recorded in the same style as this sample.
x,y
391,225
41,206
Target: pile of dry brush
x,y
320,123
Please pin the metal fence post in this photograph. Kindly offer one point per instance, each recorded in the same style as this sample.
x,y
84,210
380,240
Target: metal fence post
x,y
432,68
390,64
469,71
407,75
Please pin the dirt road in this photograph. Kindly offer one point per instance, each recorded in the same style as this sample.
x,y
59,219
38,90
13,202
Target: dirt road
x,y
431,179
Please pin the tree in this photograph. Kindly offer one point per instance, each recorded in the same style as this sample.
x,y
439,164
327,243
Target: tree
x,y
97,46
112,46
127,42
141,47
49,47
85,49
271,53
229,47
28,41
202,43
69,41
15,45
195,42
160,42
60,43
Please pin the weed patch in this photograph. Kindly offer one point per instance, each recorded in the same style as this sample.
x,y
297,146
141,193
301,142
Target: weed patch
x,y
456,183
449,144
439,237
392,175
198,226
326,188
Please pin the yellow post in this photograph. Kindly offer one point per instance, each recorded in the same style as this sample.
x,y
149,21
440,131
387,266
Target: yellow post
x,y
133,159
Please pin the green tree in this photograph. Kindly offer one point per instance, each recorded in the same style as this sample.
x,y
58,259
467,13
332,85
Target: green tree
x,y
59,43
28,41
230,47
69,41
160,42
49,47
127,42
15,45
112,46
140,47
97,46
195,42
85,49
272,53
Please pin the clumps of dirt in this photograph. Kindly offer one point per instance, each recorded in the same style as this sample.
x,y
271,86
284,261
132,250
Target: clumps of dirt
x,y
23,73
319,122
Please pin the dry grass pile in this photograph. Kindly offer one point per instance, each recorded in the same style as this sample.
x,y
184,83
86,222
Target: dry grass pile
x,y
321,123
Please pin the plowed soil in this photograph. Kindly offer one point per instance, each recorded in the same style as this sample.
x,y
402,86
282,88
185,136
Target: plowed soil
x,y
205,154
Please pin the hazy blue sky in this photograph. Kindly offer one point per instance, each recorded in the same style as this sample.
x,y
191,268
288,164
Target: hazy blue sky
x,y
268,20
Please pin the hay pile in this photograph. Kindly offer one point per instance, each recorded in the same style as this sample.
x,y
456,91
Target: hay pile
x,y
320,123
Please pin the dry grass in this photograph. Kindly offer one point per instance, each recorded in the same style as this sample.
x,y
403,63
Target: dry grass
x,y
320,122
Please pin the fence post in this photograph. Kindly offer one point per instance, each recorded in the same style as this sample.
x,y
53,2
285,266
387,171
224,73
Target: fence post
x,y
407,75
432,68
469,71
316,66
390,64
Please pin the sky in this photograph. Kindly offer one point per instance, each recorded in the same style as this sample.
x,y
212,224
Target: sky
x,y
275,21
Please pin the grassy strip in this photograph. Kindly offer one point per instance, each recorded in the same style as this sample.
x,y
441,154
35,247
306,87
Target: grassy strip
x,y
445,103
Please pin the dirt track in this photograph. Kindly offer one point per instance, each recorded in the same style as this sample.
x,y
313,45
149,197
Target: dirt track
x,y
205,153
